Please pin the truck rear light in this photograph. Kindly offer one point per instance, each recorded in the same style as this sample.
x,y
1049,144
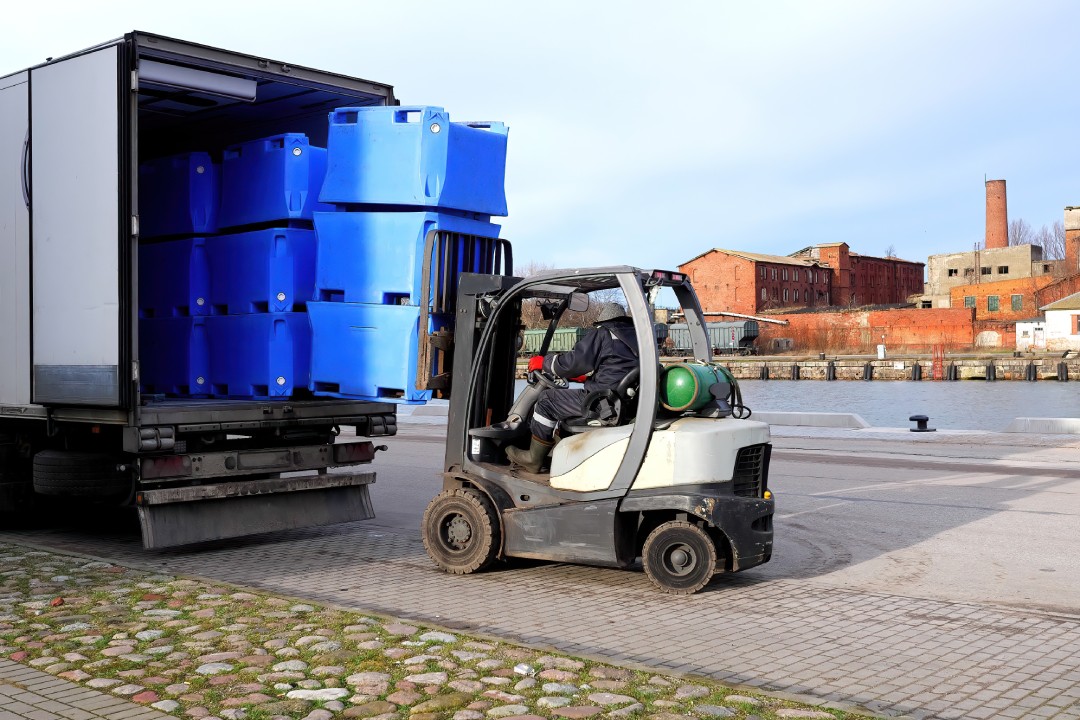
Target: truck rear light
x,y
165,467
354,452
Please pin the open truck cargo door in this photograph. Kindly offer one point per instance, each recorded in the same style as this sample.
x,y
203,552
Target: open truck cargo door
x,y
81,228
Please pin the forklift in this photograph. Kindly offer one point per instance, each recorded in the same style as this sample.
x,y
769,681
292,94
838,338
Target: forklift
x,y
664,468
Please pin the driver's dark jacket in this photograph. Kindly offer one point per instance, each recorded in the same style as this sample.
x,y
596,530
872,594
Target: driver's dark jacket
x,y
609,352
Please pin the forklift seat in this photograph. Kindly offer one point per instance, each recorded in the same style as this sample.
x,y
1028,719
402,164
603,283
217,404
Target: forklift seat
x,y
605,408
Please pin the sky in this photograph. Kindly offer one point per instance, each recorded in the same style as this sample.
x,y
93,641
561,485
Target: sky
x,y
646,133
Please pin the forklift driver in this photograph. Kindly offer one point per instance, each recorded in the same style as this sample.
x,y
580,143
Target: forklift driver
x,y
601,359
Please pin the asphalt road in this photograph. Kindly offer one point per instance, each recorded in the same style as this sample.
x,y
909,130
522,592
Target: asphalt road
x,y
908,578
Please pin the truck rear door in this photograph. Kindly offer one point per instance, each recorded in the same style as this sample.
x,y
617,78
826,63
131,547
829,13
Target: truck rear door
x,y
81,226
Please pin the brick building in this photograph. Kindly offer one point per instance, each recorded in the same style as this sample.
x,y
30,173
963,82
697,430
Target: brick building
x,y
819,276
742,282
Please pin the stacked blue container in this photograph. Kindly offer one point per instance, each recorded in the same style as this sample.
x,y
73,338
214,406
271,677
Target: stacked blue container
x,y
393,175
234,323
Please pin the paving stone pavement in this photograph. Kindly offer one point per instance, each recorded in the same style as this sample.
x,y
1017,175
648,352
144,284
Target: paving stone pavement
x,y
894,655
30,694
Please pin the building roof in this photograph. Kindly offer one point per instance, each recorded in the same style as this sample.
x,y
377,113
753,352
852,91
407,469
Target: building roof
x,y
760,257
1072,302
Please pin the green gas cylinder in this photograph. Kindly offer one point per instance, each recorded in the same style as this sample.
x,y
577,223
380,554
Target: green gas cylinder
x,y
685,387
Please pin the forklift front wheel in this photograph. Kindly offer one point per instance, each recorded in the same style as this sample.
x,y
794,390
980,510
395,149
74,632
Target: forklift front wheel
x,y
679,557
460,531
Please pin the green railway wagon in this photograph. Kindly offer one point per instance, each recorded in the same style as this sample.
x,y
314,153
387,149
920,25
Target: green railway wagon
x,y
564,339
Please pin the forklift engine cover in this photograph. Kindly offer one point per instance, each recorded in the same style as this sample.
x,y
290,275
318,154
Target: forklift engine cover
x,y
692,451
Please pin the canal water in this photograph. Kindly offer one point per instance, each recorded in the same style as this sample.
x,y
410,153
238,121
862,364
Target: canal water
x,y
962,405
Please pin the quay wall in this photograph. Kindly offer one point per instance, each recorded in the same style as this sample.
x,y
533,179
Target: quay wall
x,y
1046,368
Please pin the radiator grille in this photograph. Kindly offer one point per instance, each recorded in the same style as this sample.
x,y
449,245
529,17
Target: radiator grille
x,y
749,471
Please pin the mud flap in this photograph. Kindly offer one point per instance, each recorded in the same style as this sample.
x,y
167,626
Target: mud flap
x,y
181,516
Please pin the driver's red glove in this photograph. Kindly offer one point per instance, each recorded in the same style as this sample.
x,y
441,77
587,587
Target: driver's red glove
x,y
536,362
579,378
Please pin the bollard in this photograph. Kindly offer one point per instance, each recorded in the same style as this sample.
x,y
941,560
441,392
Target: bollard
x,y
1063,372
765,371
1032,373
794,371
916,372
920,424
867,372
830,371
991,372
950,372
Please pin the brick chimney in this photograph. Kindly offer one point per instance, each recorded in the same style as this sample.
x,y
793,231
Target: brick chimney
x,y
997,215
1072,240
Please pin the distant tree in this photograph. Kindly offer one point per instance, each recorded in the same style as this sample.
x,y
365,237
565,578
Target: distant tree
x,y
1020,232
890,252
1052,240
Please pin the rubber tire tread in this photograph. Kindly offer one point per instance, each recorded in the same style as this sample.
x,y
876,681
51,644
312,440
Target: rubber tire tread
x,y
650,556
484,520
79,474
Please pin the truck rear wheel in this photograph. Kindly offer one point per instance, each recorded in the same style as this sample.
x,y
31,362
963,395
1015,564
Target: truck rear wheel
x,y
679,557
78,474
460,531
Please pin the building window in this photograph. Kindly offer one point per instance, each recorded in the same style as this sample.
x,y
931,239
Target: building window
x,y
1017,302
969,301
992,303
969,271
774,273
796,292
796,273
953,272
785,294
764,294
1003,269
984,271
1046,268
1076,324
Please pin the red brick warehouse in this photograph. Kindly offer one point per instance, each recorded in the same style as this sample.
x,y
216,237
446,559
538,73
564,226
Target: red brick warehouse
x,y
827,275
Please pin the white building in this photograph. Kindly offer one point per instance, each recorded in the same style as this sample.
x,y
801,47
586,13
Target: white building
x,y
1062,324
1030,335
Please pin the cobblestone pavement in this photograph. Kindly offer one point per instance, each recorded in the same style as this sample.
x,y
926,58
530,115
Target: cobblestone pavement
x,y
138,642
892,654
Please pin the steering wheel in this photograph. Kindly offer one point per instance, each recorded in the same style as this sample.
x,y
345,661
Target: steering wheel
x,y
549,381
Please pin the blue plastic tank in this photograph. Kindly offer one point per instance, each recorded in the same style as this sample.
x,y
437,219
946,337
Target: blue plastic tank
x,y
259,356
377,257
272,179
178,195
270,270
415,157
174,278
174,356
366,352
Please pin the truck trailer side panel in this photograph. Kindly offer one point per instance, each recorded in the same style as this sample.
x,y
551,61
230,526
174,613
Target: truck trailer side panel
x,y
76,192
14,241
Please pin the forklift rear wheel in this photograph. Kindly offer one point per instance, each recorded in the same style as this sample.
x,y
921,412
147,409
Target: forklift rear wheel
x,y
460,529
679,557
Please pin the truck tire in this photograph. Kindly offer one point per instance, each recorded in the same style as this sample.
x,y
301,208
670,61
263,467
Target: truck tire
x,y
78,474
460,530
679,557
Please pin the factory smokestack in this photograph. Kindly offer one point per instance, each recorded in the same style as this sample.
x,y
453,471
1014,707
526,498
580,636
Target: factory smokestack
x,y
997,215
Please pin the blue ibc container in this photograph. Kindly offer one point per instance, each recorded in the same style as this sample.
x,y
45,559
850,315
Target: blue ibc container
x,y
258,356
415,156
367,352
174,356
377,257
174,278
178,195
273,179
261,271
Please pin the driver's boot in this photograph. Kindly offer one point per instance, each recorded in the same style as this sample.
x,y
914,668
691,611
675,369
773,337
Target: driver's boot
x,y
532,459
